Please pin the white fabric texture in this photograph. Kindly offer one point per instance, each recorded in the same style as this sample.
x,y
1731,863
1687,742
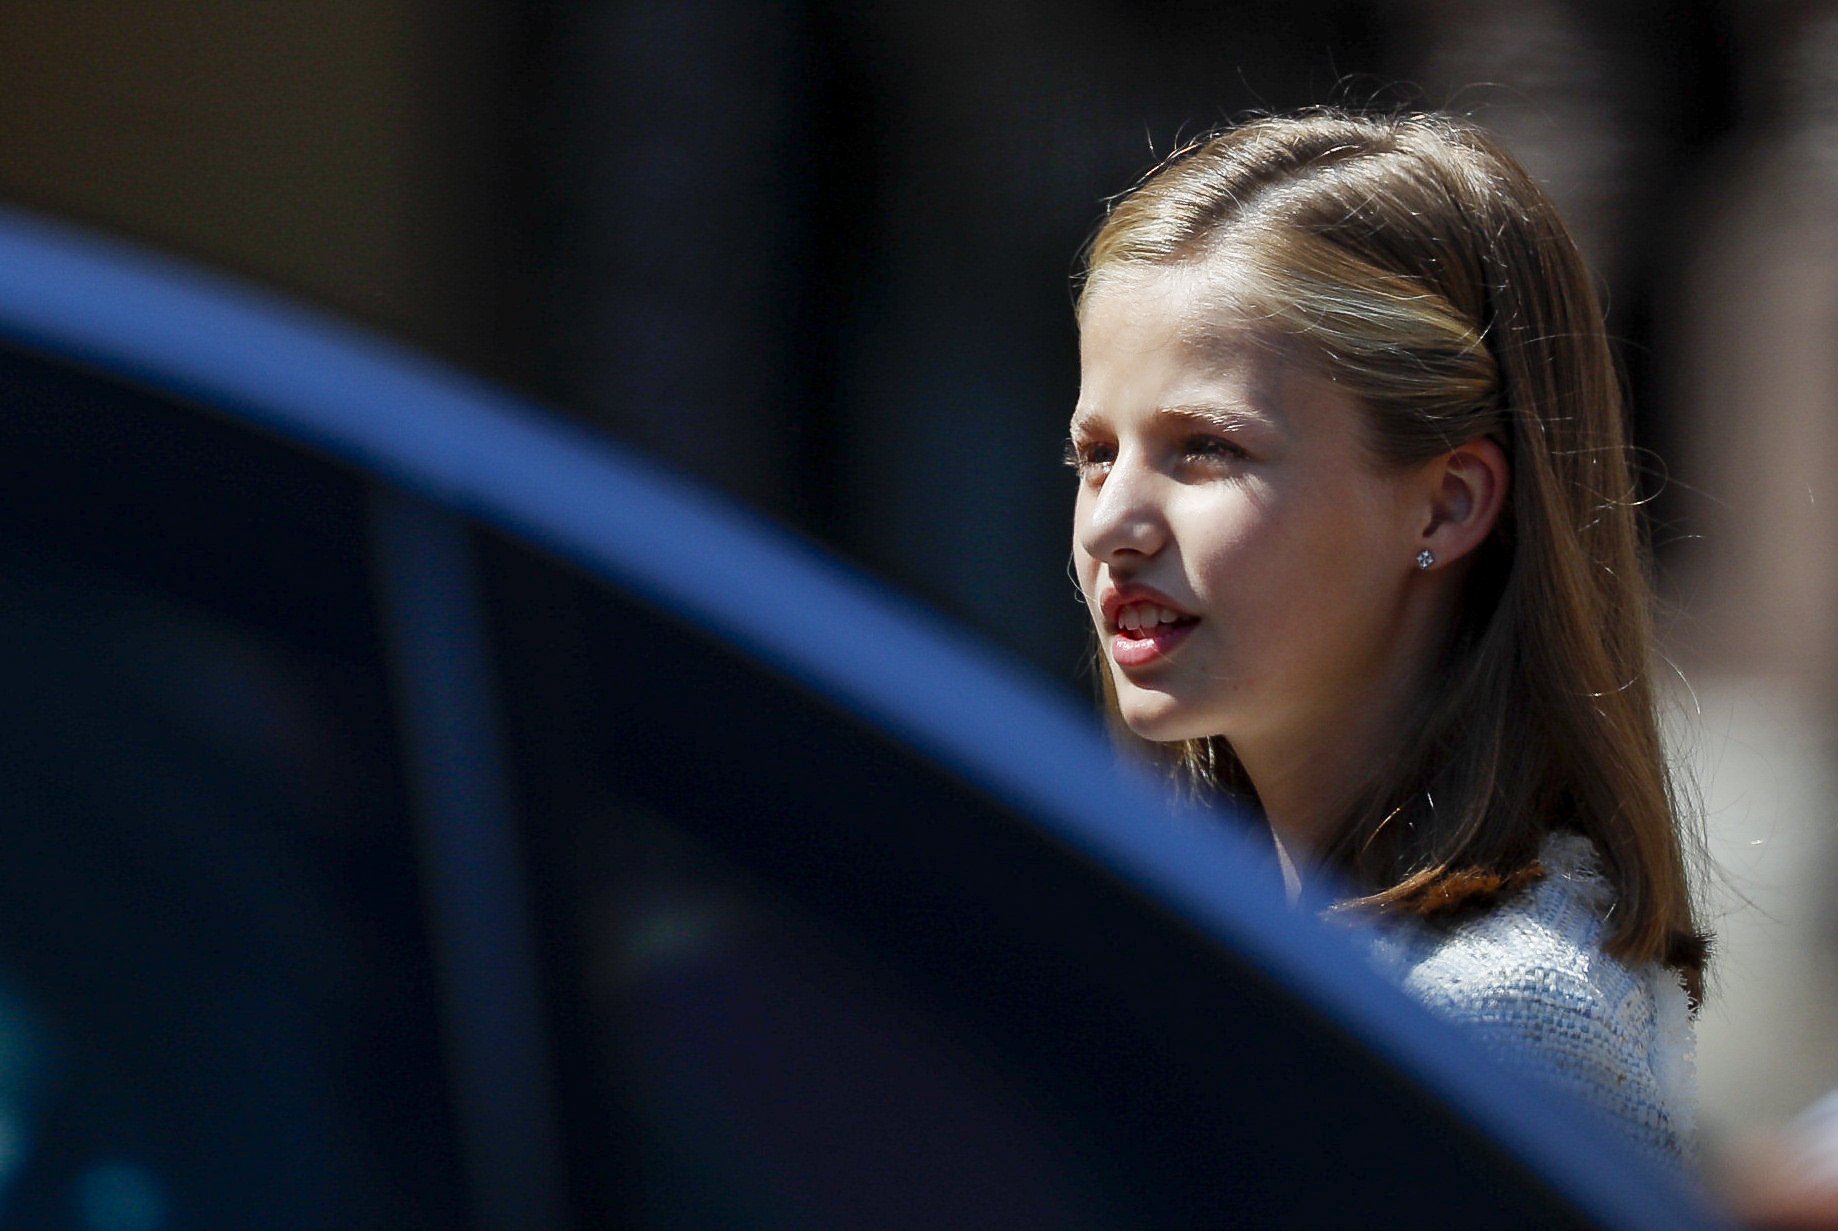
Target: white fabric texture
x,y
1529,981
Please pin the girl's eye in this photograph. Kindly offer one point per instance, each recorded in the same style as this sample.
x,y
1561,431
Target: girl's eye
x,y
1089,457
1212,448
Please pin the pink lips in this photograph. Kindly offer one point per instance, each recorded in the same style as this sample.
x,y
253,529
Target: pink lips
x,y
1142,647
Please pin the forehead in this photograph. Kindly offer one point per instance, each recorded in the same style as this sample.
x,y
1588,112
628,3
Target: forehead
x,y
1150,335
1200,301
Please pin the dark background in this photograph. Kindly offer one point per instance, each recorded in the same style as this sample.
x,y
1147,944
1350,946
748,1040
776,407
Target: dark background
x,y
818,254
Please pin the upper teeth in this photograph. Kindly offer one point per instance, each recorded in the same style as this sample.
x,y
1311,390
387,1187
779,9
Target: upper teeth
x,y
1135,616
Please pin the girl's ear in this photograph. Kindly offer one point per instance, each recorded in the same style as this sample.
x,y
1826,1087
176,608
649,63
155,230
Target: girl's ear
x,y
1468,487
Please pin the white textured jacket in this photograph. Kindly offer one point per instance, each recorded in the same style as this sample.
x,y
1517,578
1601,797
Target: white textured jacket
x,y
1529,980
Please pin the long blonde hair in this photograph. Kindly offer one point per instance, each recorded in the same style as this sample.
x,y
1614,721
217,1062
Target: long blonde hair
x,y
1420,267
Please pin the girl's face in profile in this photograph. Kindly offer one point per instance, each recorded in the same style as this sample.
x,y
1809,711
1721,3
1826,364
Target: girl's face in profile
x,y
1244,560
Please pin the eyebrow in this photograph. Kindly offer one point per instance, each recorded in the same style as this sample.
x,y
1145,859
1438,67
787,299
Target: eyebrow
x,y
1200,413
1217,416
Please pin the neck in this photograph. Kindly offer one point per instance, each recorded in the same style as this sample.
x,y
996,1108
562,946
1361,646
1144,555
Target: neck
x,y
1306,785
1307,777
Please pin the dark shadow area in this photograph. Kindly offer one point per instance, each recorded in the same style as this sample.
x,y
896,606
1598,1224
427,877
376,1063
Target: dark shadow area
x,y
209,916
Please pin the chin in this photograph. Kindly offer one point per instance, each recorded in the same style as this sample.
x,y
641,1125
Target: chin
x,y
1160,719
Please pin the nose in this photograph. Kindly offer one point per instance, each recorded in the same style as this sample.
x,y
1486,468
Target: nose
x,y
1123,516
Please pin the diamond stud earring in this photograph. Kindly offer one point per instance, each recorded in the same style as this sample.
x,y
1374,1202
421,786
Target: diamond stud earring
x,y
1425,558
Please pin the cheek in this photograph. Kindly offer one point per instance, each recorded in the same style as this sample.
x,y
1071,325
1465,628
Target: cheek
x,y
1235,547
1364,543
1088,591
1084,566
1280,567
1333,585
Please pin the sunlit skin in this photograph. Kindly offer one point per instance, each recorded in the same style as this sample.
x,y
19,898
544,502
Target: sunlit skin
x,y
1222,473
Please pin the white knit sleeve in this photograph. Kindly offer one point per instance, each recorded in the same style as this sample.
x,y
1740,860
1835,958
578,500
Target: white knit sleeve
x,y
1579,1022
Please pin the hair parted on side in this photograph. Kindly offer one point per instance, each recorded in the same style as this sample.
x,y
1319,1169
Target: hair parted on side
x,y
1414,262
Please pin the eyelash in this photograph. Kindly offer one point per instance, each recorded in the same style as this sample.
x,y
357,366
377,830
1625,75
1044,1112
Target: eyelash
x,y
1081,456
1212,446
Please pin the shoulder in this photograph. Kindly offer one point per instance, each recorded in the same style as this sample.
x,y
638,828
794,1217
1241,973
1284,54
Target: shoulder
x,y
1530,982
1540,947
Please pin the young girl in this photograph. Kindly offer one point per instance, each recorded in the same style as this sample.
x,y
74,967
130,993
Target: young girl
x,y
1357,530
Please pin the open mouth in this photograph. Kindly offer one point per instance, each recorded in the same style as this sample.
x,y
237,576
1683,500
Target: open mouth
x,y
1145,632
1144,621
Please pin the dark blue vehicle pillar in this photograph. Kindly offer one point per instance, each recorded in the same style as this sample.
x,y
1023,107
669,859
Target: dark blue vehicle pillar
x,y
478,910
